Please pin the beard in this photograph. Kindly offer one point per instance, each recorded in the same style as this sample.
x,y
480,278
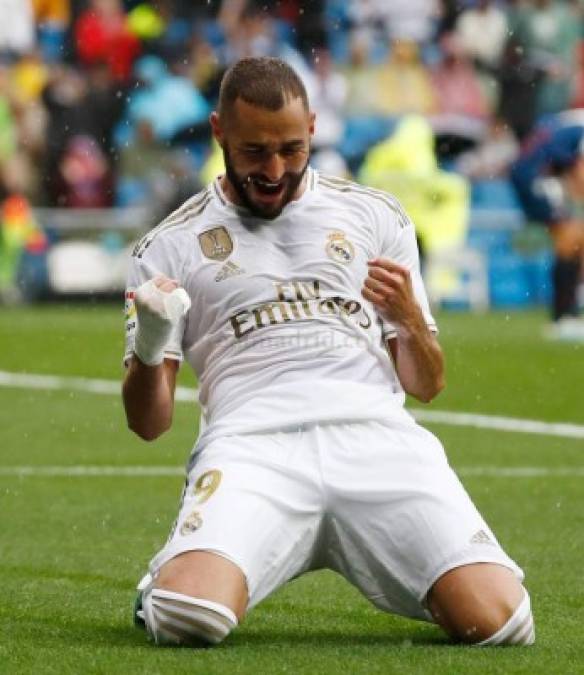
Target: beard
x,y
291,181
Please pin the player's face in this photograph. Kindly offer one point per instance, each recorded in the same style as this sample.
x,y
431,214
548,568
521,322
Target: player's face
x,y
266,154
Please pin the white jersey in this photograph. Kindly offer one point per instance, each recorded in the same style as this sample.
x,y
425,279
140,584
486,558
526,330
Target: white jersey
x,y
278,332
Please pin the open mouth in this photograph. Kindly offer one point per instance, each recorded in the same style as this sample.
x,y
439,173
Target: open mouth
x,y
266,188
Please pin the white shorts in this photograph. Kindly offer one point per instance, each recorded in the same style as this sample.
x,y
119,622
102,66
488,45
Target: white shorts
x,y
377,503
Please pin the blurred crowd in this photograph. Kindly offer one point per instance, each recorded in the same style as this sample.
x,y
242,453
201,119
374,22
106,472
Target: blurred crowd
x,y
105,102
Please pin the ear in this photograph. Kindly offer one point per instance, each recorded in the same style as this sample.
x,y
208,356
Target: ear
x,y
216,127
311,119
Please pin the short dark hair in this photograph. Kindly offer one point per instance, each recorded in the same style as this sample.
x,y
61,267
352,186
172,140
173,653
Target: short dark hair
x,y
264,81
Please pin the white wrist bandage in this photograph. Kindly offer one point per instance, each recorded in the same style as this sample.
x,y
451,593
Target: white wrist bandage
x,y
157,312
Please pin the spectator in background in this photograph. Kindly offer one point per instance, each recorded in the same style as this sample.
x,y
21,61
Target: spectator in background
x,y
577,100
461,107
363,95
327,92
84,178
399,85
455,82
87,106
493,156
308,21
17,30
102,106
206,71
52,12
8,129
249,31
87,96
155,175
142,162
549,178
27,79
549,33
403,82
366,18
102,35
482,32
230,13
162,27
411,20
448,13
405,165
147,22
518,82
20,235
22,134
52,19
169,102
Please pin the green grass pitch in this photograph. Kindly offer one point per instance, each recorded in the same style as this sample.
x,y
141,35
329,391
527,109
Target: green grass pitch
x,y
72,548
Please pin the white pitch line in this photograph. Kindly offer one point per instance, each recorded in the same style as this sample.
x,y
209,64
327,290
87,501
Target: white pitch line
x,y
83,384
81,471
562,429
92,470
520,471
189,395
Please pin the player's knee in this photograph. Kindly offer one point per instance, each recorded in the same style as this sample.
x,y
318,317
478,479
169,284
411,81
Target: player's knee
x,y
512,626
482,604
178,619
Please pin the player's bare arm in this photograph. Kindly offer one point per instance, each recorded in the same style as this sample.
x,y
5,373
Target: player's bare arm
x,y
148,393
150,383
416,353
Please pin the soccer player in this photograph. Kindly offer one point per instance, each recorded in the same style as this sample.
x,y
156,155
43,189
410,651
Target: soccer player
x,y
297,299
549,178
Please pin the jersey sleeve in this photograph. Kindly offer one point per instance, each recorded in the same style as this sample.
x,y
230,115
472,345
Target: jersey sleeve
x,y
158,257
399,245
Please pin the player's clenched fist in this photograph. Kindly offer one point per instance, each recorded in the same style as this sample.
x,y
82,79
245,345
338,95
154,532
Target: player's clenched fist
x,y
160,304
389,287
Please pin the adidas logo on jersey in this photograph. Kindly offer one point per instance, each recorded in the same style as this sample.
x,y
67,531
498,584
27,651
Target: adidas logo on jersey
x,y
481,537
230,269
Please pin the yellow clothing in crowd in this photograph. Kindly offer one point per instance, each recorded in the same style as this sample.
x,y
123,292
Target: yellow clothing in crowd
x,y
52,11
437,201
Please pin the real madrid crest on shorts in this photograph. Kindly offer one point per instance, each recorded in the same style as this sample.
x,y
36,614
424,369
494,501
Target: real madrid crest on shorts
x,y
339,248
191,523
216,243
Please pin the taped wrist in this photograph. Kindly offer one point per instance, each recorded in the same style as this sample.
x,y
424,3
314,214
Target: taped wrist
x,y
158,312
151,339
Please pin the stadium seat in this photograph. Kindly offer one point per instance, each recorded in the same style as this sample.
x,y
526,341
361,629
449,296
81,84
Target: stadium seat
x,y
538,269
509,281
496,193
490,241
130,191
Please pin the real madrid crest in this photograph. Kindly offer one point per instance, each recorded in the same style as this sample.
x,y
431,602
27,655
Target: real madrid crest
x,y
216,243
191,523
339,248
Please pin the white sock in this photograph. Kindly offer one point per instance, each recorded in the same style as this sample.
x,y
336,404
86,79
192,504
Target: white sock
x,y
174,618
519,630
